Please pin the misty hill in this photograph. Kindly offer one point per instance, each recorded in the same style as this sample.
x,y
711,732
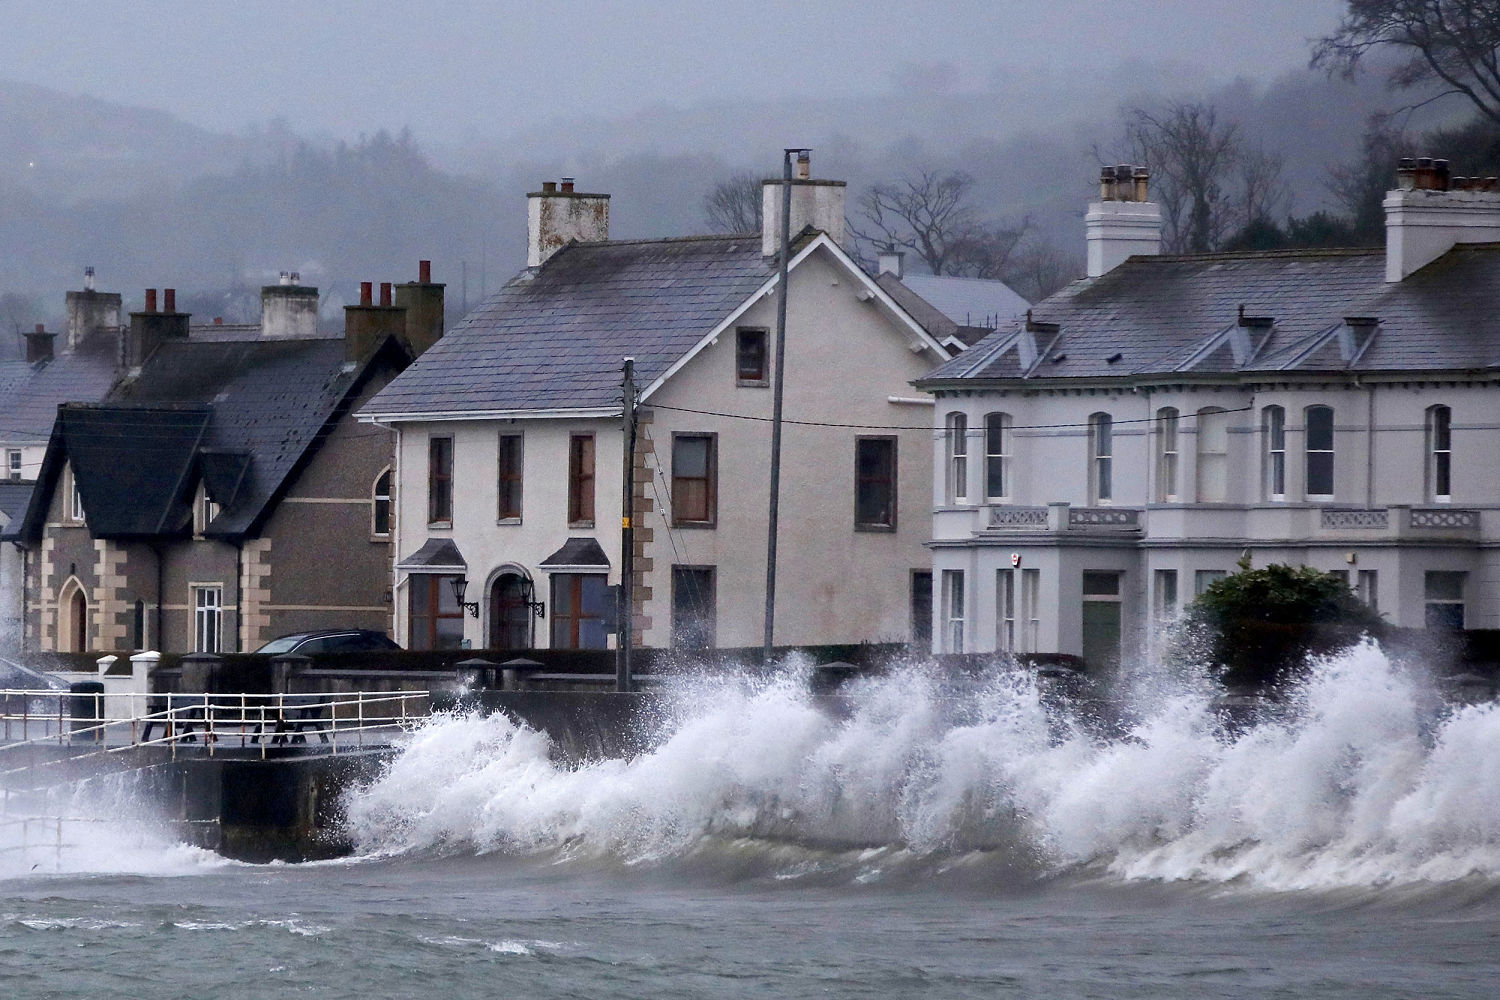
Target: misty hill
x,y
152,201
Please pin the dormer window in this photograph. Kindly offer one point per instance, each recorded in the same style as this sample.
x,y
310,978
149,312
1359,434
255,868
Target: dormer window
x,y
204,512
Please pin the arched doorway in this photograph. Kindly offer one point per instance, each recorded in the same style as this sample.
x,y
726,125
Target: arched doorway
x,y
73,619
510,612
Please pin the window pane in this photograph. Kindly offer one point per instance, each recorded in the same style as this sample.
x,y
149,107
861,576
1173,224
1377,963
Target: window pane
x,y
1319,428
690,456
751,360
595,594
1320,473
1442,418
509,476
875,481
1101,584
1444,585
447,603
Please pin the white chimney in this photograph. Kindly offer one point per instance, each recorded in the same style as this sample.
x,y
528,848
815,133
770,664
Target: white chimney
x,y
892,262
1122,223
557,215
288,311
815,203
1429,213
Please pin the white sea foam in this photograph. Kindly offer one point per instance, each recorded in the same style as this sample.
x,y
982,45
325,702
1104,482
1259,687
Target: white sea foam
x,y
1355,784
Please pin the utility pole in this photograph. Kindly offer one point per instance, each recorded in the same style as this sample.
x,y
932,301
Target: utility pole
x,y
774,514
624,615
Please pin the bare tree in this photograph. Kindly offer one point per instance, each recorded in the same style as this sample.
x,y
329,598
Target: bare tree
x,y
1190,155
1264,195
734,204
931,214
1036,270
1452,44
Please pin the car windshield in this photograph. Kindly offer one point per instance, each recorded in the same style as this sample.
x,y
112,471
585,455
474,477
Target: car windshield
x,y
282,645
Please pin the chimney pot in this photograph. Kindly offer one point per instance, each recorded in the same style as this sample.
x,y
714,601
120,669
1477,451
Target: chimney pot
x,y
567,185
1123,189
1440,175
1106,183
218,321
295,278
41,328
88,278
804,166
1142,178
385,293
549,187
170,297
366,293
150,300
424,272
1406,173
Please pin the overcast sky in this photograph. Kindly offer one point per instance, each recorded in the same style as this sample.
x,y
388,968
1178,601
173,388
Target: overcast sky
x,y
453,69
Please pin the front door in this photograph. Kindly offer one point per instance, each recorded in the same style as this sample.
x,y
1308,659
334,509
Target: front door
x,y
510,616
1101,620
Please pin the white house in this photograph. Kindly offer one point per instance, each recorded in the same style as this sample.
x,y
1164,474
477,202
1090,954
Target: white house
x,y
1107,457
511,455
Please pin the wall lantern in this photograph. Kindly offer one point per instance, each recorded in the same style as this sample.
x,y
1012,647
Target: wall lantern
x,y
459,586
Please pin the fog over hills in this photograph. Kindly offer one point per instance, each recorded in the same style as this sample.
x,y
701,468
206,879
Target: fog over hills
x,y
152,201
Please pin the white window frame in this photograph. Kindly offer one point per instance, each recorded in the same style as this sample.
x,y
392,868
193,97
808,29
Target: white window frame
x,y
1429,600
204,511
1308,452
1005,610
75,501
953,611
1439,454
1167,454
1210,463
377,497
208,617
1273,425
1031,603
997,463
1101,459
1164,595
13,463
1205,578
956,430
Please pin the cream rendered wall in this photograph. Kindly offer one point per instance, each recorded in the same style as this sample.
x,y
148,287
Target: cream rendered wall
x,y
486,544
845,358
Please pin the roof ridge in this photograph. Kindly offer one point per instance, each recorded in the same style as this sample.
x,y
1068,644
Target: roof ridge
x,y
700,238
1291,252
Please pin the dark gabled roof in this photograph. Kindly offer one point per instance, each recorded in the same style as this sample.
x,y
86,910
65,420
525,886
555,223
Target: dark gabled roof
x,y
578,552
133,466
15,495
241,416
272,400
31,393
554,338
932,319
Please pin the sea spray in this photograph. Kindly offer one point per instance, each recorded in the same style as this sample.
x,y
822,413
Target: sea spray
x,y
1353,782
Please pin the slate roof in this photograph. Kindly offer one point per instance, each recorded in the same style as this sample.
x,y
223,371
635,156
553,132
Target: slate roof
x,y
435,554
240,415
554,338
578,552
30,393
974,302
1254,314
15,494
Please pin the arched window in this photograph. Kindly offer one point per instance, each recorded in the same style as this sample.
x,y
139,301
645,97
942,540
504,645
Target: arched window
x,y
997,484
1439,454
72,618
1273,434
1213,455
958,458
1101,458
1319,451
380,513
1166,453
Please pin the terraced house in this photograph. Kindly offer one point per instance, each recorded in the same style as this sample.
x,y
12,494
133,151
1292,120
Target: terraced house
x,y
1106,458
511,450
222,493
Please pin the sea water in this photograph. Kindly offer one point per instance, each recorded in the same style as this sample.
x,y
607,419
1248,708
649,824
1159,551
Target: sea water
x,y
937,836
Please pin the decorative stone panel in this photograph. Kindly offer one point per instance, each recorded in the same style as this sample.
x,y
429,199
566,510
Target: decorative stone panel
x,y
1018,517
1444,517
1103,517
1355,519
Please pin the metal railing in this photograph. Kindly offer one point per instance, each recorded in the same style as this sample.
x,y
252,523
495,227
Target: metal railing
x,y
111,723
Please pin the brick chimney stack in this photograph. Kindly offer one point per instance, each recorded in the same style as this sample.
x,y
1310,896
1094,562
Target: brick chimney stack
x,y
423,301
39,345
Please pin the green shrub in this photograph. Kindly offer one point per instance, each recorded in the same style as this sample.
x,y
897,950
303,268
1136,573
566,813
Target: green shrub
x,y
1258,626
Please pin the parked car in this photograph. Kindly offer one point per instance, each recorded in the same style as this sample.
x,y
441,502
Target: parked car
x,y
330,640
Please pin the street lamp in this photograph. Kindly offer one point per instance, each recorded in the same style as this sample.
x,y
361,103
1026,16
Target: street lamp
x,y
459,585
